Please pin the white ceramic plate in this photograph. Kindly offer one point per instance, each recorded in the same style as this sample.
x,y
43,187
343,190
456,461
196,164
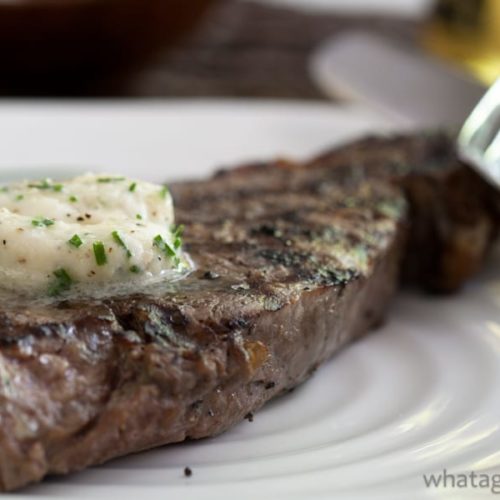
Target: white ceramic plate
x,y
419,395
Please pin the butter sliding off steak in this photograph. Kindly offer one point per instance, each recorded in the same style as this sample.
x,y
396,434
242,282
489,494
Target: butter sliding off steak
x,y
293,262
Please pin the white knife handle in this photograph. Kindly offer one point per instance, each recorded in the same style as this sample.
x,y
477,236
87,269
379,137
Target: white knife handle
x,y
411,88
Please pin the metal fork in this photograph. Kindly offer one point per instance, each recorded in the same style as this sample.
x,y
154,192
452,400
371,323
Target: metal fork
x,y
479,140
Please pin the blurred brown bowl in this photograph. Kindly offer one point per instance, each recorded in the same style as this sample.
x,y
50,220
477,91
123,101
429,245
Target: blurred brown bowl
x,y
71,39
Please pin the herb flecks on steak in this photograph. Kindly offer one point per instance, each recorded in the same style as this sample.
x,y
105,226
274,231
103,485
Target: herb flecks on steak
x,y
293,262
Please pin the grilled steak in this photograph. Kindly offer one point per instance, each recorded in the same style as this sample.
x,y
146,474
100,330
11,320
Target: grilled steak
x,y
293,262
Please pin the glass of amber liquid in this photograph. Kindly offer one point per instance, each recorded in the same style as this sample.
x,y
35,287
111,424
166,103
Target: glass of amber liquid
x,y
467,33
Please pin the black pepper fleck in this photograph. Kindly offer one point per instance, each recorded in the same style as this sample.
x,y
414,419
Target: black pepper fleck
x,y
210,275
269,385
188,472
268,230
196,404
238,323
80,219
249,416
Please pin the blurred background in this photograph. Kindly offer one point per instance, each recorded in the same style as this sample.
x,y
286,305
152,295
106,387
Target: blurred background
x,y
236,48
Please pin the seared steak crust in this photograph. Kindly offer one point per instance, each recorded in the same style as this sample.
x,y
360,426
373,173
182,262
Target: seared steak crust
x,y
293,261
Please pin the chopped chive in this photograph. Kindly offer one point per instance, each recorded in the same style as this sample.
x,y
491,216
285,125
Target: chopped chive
x,y
135,269
118,240
100,253
179,230
42,222
132,187
47,184
163,192
4,189
73,199
177,234
163,246
107,180
138,216
19,197
61,283
76,241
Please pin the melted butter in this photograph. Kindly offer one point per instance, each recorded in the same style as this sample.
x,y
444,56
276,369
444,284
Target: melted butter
x,y
93,233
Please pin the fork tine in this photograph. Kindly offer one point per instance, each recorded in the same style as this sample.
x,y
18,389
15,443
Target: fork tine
x,y
482,125
479,140
492,155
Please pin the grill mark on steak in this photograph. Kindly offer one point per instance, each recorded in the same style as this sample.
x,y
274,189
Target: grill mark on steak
x,y
294,261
